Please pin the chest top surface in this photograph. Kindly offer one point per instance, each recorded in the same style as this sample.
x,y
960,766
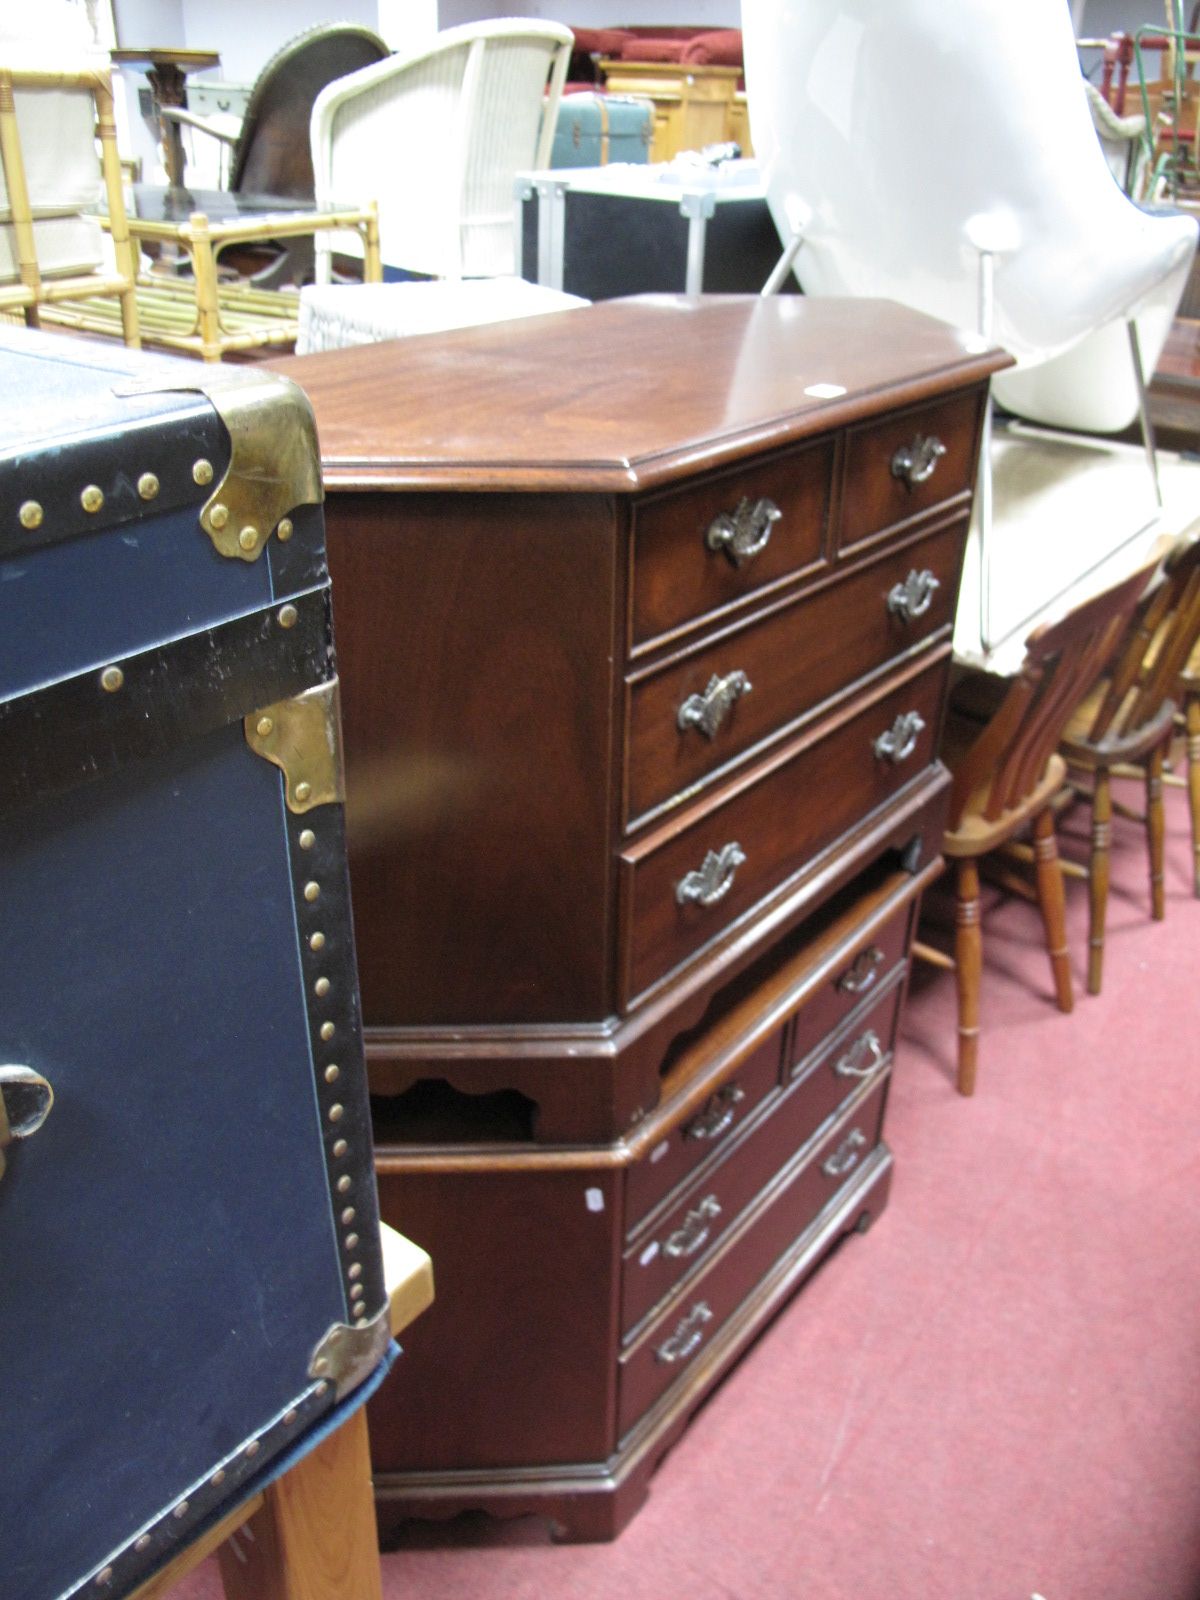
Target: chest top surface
x,y
622,395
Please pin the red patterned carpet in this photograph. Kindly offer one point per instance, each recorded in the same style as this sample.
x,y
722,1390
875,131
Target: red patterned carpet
x,y
996,1393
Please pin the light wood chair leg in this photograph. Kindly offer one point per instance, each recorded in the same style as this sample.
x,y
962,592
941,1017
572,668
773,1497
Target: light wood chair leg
x,y
1052,902
1192,718
968,969
315,1537
1098,876
1156,831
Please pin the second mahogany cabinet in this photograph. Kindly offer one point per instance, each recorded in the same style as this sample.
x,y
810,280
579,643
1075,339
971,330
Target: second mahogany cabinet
x,y
643,616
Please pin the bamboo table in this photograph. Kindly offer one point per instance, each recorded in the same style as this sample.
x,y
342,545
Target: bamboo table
x,y
198,313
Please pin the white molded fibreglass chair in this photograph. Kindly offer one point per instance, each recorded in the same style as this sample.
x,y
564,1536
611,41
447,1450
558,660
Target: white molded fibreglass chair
x,y
437,137
944,156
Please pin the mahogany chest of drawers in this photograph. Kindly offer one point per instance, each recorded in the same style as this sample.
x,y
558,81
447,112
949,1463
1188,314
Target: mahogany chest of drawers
x,y
643,617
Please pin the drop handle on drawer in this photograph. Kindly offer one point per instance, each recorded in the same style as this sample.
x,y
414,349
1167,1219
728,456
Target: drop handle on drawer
x,y
861,974
864,1057
692,1233
900,740
713,878
912,598
717,1115
915,463
845,1156
744,532
706,712
687,1336
25,1101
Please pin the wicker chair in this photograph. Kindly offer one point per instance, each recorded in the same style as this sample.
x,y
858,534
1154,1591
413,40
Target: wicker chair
x,y
437,137
270,150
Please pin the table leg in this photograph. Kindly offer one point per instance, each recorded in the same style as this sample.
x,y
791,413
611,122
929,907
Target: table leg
x,y
204,271
315,1537
372,263
168,85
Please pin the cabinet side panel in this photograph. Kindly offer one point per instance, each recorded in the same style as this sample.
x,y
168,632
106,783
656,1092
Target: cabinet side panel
x,y
475,640
513,1363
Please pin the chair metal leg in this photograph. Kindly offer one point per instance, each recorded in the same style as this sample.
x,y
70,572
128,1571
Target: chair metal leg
x,y
1098,876
1052,902
968,969
778,274
1192,716
1156,829
1139,378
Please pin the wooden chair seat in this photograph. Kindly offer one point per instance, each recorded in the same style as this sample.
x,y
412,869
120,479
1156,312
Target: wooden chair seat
x,y
1115,746
977,835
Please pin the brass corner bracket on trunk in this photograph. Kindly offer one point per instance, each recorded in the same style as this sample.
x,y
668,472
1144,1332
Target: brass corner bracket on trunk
x,y
274,462
347,1356
303,737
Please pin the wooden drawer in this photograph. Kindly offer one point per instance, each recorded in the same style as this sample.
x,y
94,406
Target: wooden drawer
x,y
792,660
678,578
703,1133
869,969
662,1353
678,1240
762,831
855,1054
874,498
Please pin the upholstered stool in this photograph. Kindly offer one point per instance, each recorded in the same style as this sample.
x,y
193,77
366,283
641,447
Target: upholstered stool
x,y
333,316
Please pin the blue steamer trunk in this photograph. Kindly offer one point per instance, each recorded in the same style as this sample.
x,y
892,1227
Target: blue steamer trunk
x,y
189,1266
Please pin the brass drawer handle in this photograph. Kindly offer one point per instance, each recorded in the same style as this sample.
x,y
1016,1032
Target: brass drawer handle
x,y
862,974
718,1115
913,597
687,1336
864,1057
692,1233
900,740
706,712
25,1101
713,879
846,1156
915,463
744,532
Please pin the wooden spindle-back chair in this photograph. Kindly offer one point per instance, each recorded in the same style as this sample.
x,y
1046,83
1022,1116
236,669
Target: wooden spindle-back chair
x,y
1129,717
1006,775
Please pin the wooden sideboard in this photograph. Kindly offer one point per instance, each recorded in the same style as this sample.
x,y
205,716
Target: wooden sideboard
x,y
643,616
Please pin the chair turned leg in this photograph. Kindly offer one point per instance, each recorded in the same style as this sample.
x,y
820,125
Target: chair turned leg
x,y
1193,755
1098,877
1053,906
1156,830
968,967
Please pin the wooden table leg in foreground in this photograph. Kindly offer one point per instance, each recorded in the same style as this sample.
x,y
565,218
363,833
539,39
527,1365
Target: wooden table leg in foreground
x,y
311,1534
314,1537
